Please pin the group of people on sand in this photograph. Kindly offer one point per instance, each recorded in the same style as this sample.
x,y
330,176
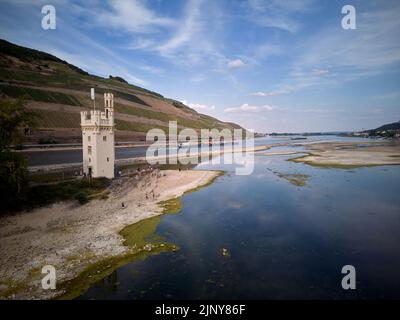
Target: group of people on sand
x,y
139,171
144,171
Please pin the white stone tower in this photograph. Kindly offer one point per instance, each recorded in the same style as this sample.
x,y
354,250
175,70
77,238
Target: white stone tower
x,y
98,140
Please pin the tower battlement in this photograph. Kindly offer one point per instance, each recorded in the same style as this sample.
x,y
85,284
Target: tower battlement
x,y
96,118
100,118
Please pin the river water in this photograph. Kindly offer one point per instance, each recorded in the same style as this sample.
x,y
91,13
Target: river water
x,y
264,236
51,157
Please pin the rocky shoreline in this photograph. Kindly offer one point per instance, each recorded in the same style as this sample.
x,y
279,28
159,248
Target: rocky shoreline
x,y
85,242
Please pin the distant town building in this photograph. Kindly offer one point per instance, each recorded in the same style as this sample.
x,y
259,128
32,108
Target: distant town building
x,y
98,140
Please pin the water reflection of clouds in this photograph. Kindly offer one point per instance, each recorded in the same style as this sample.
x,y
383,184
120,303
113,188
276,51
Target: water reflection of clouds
x,y
234,205
356,214
286,242
265,216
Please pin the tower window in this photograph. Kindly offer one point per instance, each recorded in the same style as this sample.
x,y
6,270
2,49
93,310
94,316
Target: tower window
x,y
89,150
108,159
88,138
107,113
104,138
90,160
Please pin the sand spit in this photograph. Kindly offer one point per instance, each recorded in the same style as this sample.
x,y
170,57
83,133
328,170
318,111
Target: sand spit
x,y
351,154
72,237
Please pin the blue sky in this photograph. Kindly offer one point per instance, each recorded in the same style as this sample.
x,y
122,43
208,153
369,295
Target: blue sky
x,y
269,65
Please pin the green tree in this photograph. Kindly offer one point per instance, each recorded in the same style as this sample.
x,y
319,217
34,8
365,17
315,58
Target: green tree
x,y
13,167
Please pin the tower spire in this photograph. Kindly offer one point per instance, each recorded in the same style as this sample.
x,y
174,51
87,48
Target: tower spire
x,y
93,97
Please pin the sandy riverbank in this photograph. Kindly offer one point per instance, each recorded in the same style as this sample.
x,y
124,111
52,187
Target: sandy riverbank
x,y
73,237
351,154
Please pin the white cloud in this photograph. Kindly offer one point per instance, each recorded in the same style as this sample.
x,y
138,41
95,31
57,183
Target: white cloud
x,y
266,50
319,72
190,40
246,108
269,94
151,69
279,14
198,78
133,16
235,64
390,95
319,110
187,29
334,55
198,106
141,43
357,52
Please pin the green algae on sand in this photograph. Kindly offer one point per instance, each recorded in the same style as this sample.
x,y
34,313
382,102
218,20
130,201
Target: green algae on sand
x,y
297,179
141,240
